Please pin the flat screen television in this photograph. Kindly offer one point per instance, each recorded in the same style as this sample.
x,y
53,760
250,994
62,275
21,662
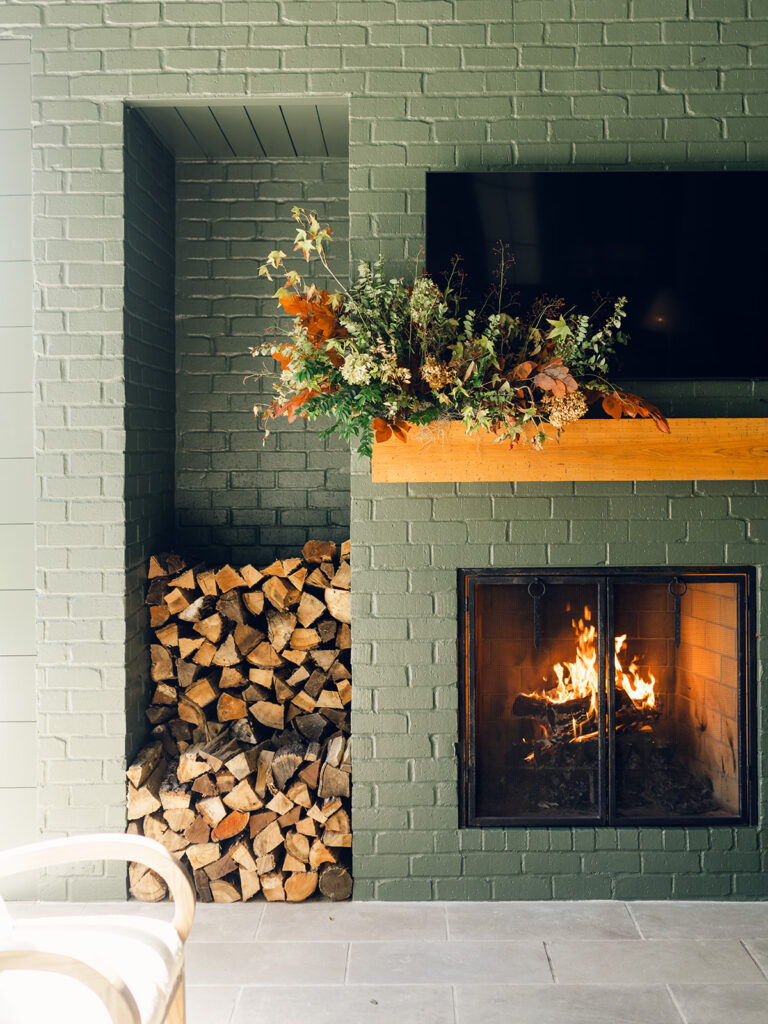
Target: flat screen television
x,y
689,249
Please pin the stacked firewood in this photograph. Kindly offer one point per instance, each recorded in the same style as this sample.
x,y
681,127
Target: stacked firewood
x,y
247,773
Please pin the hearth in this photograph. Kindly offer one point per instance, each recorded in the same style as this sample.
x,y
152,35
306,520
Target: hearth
x,y
607,697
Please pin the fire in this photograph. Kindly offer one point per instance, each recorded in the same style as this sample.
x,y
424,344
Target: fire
x,y
579,678
639,690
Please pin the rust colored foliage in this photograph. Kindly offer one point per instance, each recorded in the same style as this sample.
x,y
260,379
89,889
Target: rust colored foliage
x,y
383,430
621,403
317,316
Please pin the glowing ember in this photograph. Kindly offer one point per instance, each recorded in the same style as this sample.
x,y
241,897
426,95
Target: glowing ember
x,y
579,678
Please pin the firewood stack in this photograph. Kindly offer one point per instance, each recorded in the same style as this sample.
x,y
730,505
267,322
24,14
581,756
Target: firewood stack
x,y
247,773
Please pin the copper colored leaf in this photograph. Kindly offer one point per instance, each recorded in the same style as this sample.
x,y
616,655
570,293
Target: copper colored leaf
x,y
400,429
613,406
522,370
381,429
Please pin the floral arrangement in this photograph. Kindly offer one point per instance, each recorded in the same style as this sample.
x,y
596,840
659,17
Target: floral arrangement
x,y
386,353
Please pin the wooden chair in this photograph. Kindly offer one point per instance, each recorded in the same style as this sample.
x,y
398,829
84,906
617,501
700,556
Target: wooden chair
x,y
81,969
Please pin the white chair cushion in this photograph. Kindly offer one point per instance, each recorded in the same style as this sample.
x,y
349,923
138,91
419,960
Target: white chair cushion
x,y
6,923
145,953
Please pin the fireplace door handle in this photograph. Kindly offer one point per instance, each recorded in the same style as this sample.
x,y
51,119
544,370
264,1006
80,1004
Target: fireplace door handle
x,y
537,589
677,588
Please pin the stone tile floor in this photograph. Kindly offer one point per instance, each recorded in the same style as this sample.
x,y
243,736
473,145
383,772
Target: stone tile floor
x,y
471,963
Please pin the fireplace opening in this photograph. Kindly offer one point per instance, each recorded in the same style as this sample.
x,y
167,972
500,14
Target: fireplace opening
x,y
621,696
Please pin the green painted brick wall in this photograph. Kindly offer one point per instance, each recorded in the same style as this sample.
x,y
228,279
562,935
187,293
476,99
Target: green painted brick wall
x,y
407,841
442,84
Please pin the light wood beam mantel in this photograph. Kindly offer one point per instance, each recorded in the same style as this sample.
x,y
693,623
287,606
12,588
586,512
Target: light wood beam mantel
x,y
696,449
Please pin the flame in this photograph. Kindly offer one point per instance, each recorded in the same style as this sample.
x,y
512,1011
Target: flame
x,y
639,690
579,678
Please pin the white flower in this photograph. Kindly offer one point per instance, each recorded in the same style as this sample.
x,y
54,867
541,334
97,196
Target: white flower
x,y
357,368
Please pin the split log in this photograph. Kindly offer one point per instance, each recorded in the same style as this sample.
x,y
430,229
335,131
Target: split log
x,y
231,826
243,798
210,628
145,799
201,854
319,854
280,627
339,604
229,708
310,609
162,663
254,602
300,886
250,883
272,886
228,578
280,594
145,885
272,715
144,764
224,891
316,551
286,762
342,578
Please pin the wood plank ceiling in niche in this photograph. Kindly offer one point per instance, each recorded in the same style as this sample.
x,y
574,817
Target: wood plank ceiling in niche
x,y
253,130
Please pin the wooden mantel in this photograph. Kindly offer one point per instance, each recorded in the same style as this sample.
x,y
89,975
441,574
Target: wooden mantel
x,y
696,449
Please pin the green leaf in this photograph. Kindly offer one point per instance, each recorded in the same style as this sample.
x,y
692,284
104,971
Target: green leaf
x,y
560,330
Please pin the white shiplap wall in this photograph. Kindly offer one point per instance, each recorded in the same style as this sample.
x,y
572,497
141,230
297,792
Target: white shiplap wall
x,y
18,728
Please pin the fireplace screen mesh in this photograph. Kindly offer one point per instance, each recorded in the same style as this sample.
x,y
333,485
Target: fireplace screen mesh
x,y
606,698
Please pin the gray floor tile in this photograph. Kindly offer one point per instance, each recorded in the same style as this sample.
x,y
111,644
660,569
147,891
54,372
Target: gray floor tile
x,y
680,920
656,961
227,922
713,1004
266,963
565,1004
361,922
358,1004
598,920
435,963
211,1004
758,949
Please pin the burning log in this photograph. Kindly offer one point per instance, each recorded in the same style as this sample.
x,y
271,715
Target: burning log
x,y
247,776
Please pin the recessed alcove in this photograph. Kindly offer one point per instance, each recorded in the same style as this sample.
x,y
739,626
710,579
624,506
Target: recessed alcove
x,y
208,193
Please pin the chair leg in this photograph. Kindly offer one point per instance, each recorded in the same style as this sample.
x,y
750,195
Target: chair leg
x,y
176,1014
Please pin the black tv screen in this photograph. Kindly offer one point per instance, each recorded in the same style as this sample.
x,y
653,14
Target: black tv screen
x,y
687,248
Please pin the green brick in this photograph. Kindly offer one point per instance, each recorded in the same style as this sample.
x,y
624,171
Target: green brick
x,y
453,83
487,864
708,886
553,863
731,861
522,887
404,889
548,57
403,842
612,861
643,887
436,865
578,887
543,106
462,889
665,862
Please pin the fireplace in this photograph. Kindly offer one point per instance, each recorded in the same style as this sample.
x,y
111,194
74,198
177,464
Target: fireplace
x,y
607,696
